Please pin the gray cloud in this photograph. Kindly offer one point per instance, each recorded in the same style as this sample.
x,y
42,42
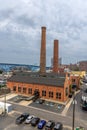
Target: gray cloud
x,y
24,20
4,14
20,29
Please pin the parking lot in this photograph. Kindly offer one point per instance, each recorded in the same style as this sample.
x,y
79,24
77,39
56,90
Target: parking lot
x,y
50,106
46,110
8,123
46,105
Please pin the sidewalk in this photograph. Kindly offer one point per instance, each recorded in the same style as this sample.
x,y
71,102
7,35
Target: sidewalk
x,y
25,103
64,112
8,96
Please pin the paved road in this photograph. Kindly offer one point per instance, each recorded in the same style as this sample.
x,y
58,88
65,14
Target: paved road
x,y
79,113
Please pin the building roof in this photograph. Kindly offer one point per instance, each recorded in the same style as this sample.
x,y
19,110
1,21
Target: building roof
x,y
36,78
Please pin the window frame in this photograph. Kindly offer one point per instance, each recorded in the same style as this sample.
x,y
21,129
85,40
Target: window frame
x,y
58,95
24,90
29,90
43,92
51,94
19,89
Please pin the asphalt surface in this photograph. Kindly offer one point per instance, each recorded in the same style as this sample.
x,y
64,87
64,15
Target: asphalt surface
x,y
79,113
45,106
8,122
47,115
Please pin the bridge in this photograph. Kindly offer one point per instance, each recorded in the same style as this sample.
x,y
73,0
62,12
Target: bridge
x,y
8,67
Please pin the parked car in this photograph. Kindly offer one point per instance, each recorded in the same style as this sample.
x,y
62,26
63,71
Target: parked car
x,y
51,104
49,125
60,106
21,118
35,121
41,124
58,126
29,119
47,103
37,101
41,101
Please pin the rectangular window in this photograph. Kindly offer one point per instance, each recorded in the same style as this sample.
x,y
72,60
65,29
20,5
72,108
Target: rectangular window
x,y
14,88
66,91
24,90
58,95
43,93
73,80
19,89
50,94
30,91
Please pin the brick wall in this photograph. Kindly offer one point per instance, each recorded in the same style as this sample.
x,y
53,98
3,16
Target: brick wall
x,y
40,88
75,80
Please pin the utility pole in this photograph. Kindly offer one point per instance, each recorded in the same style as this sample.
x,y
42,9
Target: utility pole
x,y
73,123
4,101
74,102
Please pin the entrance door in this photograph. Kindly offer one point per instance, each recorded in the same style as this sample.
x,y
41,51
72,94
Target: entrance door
x,y
36,92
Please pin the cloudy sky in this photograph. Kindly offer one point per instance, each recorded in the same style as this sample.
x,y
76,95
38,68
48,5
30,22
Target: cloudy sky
x,y
20,30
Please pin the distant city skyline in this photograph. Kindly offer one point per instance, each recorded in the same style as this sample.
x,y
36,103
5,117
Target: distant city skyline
x,y
20,30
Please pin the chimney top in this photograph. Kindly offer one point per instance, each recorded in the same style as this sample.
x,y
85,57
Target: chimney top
x,y
43,27
56,40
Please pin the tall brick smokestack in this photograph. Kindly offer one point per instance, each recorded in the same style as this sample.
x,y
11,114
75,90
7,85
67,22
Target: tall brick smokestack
x,y
55,56
43,51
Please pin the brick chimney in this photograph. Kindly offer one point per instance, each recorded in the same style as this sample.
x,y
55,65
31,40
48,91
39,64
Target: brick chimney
x,y
55,56
43,51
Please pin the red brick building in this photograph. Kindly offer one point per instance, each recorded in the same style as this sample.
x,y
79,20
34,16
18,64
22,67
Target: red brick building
x,y
83,65
50,86
75,81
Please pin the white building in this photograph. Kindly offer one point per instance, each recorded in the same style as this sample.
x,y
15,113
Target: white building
x,y
6,106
